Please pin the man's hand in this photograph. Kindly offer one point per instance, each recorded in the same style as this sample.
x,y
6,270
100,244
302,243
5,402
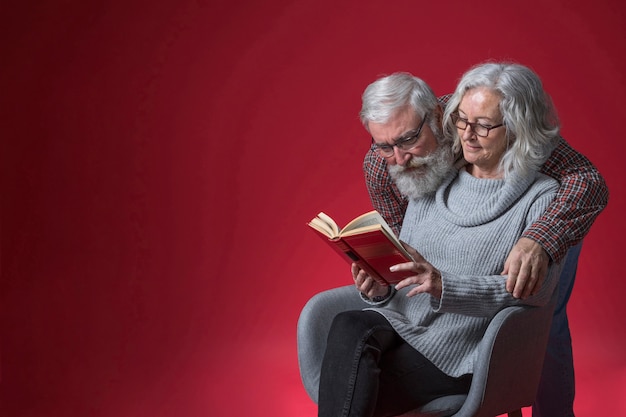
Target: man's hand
x,y
526,266
427,278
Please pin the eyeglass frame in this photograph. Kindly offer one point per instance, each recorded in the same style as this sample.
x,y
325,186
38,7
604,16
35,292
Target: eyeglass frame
x,y
401,142
456,118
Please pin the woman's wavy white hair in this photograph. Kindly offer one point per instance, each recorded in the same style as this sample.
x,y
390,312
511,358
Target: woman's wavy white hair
x,y
531,122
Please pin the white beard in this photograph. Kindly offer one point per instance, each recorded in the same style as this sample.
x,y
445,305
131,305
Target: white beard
x,y
422,175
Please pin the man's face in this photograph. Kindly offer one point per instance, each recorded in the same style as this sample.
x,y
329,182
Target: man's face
x,y
419,170
400,125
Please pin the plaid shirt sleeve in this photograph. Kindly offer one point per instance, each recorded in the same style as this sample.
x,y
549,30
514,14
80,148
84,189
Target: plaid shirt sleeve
x,y
582,196
384,194
385,197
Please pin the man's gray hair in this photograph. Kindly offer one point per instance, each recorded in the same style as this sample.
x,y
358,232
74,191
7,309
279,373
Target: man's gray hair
x,y
385,96
531,122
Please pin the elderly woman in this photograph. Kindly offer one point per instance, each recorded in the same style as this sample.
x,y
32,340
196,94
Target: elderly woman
x,y
418,340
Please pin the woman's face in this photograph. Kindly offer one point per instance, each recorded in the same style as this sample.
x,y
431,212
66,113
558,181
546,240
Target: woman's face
x,y
481,106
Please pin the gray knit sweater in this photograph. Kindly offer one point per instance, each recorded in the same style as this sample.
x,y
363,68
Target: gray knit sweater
x,y
466,230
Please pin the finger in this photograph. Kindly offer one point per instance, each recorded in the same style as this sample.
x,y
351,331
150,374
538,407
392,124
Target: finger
x,y
376,291
513,269
360,279
530,287
510,283
354,269
405,283
538,276
368,286
541,276
522,280
419,289
406,266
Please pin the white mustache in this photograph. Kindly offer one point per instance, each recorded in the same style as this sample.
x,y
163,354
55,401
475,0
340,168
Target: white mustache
x,y
418,162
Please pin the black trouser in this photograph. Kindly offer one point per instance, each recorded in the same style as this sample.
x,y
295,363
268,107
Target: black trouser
x,y
369,370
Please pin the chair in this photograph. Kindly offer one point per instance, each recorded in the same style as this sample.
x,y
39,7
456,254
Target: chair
x,y
506,376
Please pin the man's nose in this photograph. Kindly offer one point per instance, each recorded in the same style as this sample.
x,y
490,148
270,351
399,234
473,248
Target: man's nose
x,y
401,157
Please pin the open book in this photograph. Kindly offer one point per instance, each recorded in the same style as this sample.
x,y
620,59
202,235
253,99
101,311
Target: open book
x,y
369,242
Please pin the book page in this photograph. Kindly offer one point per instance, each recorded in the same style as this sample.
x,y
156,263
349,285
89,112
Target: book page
x,y
324,224
368,219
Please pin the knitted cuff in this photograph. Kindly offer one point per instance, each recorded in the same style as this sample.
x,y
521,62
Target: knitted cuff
x,y
381,299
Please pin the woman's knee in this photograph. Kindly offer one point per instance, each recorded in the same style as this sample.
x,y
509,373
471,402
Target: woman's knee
x,y
368,327
356,322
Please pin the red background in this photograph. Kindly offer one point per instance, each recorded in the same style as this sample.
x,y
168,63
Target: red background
x,y
160,160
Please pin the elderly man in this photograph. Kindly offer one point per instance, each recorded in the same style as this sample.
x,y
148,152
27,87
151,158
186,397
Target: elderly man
x,y
411,160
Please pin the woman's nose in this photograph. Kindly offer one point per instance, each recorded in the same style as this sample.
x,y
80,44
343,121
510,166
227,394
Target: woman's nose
x,y
468,133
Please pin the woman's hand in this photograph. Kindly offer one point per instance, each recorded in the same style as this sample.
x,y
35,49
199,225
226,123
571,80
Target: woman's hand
x,y
427,278
366,284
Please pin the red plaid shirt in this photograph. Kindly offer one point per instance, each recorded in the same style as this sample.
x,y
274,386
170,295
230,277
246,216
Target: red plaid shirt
x,y
582,196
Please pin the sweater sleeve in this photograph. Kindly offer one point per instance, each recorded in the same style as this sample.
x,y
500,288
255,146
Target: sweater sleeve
x,y
583,194
484,296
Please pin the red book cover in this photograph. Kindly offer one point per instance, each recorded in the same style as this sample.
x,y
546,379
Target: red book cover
x,y
368,242
380,253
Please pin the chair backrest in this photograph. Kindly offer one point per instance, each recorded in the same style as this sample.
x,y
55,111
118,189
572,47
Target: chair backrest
x,y
508,368
511,360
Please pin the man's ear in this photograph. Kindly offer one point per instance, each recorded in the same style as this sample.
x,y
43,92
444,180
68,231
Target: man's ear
x,y
438,112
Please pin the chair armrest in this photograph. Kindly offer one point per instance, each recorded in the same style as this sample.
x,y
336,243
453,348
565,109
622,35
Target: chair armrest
x,y
313,327
515,355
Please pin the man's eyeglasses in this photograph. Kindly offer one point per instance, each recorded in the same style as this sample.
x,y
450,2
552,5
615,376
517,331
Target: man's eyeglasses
x,y
406,143
479,129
